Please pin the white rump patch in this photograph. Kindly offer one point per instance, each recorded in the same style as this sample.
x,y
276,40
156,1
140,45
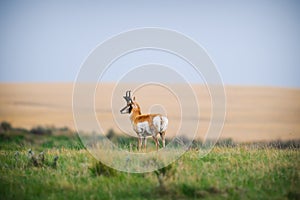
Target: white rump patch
x,y
160,123
164,124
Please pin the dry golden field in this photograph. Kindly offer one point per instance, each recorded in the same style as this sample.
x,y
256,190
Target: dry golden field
x,y
253,113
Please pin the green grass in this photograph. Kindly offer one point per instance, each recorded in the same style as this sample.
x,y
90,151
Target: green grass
x,y
238,172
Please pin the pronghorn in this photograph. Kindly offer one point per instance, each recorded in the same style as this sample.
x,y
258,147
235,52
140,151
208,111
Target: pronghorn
x,y
145,125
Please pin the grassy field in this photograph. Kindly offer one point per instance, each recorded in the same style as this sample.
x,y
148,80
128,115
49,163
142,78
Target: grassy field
x,y
229,172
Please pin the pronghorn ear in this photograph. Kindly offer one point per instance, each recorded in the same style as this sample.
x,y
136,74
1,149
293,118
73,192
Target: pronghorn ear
x,y
133,98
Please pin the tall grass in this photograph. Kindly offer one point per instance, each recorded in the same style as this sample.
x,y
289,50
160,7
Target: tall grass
x,y
232,171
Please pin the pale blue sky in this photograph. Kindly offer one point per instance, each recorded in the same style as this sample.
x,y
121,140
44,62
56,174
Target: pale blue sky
x,y
251,42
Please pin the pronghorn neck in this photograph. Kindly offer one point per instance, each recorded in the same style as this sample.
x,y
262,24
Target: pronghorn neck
x,y
136,111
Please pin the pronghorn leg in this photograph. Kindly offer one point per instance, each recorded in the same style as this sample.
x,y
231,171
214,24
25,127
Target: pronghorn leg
x,y
145,143
140,143
163,138
156,142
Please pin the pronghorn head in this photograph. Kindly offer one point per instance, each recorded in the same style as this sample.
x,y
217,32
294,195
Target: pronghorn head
x,y
127,109
131,104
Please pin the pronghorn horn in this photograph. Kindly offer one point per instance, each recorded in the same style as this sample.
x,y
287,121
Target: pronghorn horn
x,y
127,96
